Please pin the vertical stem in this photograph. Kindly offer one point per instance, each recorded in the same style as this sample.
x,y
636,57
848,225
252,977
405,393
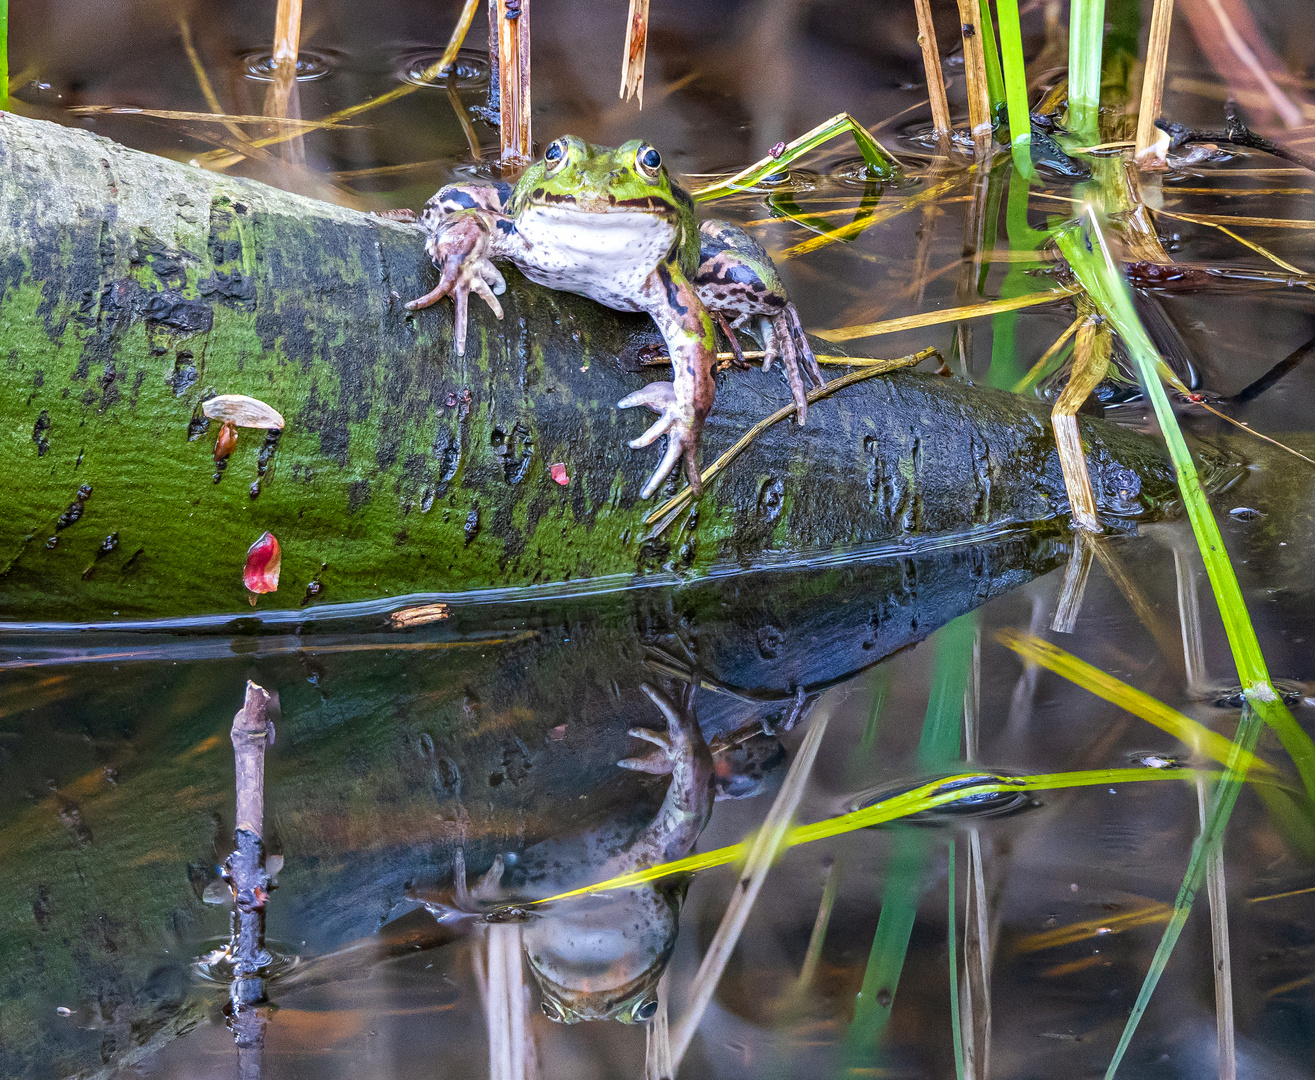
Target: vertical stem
x,y
514,80
995,84
1152,87
1217,894
495,87
931,61
1091,355
4,54
1015,77
1085,43
282,100
974,63
953,944
245,872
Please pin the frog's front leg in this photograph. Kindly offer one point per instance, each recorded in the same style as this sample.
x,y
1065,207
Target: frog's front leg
x,y
737,278
467,231
683,404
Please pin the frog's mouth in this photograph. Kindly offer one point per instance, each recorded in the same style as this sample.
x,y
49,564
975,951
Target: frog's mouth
x,y
570,1005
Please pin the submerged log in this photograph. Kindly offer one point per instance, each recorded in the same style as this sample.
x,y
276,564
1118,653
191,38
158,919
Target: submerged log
x,y
133,289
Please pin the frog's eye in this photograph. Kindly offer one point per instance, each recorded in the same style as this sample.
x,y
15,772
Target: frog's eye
x,y
648,160
649,1009
555,155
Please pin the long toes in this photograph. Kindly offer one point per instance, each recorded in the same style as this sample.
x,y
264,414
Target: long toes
x,y
690,453
657,766
481,289
665,706
656,430
669,459
432,297
657,396
648,735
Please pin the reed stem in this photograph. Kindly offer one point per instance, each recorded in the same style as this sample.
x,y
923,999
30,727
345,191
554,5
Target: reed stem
x,y
514,81
1085,43
1150,151
974,64
1015,79
931,61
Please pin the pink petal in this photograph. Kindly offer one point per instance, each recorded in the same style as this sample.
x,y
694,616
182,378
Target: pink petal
x,y
558,733
264,560
559,474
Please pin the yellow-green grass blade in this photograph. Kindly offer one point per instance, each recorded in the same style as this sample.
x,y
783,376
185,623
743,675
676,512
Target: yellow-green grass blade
x,y
1015,80
925,797
1188,731
1083,244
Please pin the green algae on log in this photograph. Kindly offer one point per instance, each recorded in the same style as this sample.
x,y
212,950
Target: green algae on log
x,y
133,288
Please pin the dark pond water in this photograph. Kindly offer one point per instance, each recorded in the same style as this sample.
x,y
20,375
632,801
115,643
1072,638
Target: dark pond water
x,y
496,733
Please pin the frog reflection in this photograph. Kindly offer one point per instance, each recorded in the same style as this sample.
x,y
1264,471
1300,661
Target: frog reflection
x,y
600,957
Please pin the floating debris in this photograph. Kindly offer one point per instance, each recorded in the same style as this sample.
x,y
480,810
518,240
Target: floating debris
x,y
559,474
243,411
419,616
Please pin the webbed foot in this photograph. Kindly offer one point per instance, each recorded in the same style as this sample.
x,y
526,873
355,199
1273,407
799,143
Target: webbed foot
x,y
783,336
676,422
460,249
671,744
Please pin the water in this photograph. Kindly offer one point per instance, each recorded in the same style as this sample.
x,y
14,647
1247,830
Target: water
x,y
496,731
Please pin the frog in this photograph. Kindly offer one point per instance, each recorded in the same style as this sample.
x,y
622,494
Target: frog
x,y
612,225
600,956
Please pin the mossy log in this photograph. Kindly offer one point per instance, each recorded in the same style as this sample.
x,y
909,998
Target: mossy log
x,y
133,287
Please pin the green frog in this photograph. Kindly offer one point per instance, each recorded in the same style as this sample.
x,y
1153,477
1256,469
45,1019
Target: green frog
x,y
613,226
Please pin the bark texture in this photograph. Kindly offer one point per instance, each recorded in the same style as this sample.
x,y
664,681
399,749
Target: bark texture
x,y
134,287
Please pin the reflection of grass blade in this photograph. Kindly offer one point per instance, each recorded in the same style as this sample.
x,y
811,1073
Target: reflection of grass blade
x,y
938,792
1221,807
1191,732
939,746
881,165
1088,254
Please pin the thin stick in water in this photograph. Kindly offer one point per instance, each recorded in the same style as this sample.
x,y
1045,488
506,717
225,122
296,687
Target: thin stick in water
x,y
974,63
1091,355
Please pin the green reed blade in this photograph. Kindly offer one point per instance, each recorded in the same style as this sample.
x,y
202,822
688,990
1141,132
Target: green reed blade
x,y
1222,801
1085,43
1015,79
881,164
995,84
1083,245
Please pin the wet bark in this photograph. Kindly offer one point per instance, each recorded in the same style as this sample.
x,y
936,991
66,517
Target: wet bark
x,y
132,288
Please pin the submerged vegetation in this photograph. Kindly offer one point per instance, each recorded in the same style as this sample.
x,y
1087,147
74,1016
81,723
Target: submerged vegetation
x,y
775,607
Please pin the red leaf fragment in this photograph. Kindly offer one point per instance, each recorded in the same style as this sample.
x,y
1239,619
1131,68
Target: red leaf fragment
x,y
558,733
559,474
264,560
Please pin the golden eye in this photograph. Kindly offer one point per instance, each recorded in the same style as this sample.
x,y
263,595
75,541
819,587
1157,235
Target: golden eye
x,y
648,160
555,155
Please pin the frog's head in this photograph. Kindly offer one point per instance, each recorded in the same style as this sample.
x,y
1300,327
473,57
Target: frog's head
x,y
601,959
630,180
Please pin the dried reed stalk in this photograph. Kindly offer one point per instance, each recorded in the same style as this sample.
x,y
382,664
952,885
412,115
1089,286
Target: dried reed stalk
x,y
1287,110
514,81
954,314
504,994
282,99
1150,151
657,1038
632,60
974,64
1217,892
931,61
1074,588
767,844
1091,355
